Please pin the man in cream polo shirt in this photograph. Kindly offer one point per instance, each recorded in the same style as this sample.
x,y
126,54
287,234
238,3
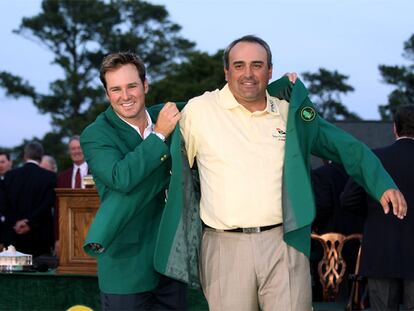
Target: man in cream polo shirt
x,y
253,175
242,153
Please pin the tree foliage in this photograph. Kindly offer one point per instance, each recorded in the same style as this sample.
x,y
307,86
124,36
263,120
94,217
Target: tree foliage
x,y
200,73
79,34
402,77
326,88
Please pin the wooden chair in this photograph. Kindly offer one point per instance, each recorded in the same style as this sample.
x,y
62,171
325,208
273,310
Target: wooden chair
x,y
358,295
332,266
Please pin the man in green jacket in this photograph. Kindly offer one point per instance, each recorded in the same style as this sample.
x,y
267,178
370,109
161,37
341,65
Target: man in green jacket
x,y
130,161
252,151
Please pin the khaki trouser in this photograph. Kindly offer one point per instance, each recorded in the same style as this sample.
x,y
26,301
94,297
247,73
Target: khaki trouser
x,y
256,271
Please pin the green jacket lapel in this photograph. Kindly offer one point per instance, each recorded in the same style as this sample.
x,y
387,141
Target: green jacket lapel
x,y
126,133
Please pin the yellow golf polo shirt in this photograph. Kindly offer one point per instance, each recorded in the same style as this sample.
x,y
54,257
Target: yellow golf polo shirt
x,y
239,156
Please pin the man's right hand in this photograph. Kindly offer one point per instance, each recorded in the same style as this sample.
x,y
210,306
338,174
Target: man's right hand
x,y
167,119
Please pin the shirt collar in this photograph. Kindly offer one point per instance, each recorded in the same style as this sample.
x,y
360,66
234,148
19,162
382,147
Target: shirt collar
x,y
83,166
228,101
149,123
405,137
32,161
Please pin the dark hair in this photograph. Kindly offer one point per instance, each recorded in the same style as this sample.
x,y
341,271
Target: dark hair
x,y
2,152
33,151
116,60
404,120
251,39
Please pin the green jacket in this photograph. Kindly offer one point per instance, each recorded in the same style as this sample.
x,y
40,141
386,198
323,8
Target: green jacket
x,y
178,235
131,177
178,243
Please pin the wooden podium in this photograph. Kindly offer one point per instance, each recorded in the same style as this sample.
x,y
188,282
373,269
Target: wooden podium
x,y
77,209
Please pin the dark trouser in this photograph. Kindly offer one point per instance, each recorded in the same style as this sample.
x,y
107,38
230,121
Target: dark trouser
x,y
168,295
388,293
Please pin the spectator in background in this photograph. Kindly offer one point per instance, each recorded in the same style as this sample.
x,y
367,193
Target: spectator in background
x,y
5,166
387,247
30,197
73,176
49,163
328,182
5,163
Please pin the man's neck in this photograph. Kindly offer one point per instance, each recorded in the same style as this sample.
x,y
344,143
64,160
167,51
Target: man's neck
x,y
142,124
254,106
139,121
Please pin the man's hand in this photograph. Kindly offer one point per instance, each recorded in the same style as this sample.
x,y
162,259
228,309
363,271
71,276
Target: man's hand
x,y
292,76
397,201
167,119
21,226
56,248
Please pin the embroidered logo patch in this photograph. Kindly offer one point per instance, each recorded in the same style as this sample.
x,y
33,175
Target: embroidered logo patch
x,y
308,113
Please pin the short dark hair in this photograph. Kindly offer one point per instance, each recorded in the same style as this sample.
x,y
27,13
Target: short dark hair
x,y
34,151
7,154
251,39
404,120
116,60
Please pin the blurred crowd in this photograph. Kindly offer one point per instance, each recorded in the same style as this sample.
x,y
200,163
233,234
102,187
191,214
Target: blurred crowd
x,y
29,210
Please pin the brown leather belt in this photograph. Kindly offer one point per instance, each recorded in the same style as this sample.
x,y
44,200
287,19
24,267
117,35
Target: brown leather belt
x,y
246,230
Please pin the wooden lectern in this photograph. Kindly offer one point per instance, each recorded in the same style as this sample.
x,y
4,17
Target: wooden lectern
x,y
77,209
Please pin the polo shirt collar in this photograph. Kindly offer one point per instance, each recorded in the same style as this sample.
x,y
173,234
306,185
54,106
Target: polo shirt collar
x,y
228,101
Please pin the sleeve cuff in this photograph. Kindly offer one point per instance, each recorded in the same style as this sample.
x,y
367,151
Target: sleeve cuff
x,y
160,136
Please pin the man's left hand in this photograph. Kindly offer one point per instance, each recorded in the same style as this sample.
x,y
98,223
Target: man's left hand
x,y
292,76
397,200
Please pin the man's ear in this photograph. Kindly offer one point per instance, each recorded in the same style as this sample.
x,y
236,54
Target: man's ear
x,y
225,73
395,131
146,86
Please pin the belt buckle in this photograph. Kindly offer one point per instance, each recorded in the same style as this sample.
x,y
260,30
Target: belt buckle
x,y
251,230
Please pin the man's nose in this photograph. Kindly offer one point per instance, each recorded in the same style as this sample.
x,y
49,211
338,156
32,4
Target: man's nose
x,y
125,94
248,72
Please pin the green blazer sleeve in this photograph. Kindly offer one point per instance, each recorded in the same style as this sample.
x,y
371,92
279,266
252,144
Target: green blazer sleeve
x,y
306,136
359,161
